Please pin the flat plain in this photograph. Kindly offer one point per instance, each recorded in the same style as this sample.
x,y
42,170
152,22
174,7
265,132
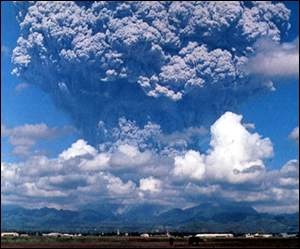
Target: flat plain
x,y
137,242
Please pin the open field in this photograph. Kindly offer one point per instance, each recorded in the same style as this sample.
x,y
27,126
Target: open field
x,y
137,242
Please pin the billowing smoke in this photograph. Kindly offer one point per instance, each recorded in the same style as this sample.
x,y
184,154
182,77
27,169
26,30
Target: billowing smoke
x,y
177,64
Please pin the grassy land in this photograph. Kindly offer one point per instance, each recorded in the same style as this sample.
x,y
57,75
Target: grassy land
x,y
138,242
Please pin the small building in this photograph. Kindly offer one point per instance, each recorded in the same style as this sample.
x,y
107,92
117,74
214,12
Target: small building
x,y
288,235
249,235
145,235
66,235
10,234
267,235
214,235
52,234
263,235
24,235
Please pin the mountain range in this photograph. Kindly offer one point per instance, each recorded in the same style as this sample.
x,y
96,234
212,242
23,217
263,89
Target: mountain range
x,y
207,217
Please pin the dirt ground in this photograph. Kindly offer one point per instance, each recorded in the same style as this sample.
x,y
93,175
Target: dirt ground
x,y
150,243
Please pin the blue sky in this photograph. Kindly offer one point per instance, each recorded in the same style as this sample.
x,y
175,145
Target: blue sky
x,y
30,106
274,113
277,113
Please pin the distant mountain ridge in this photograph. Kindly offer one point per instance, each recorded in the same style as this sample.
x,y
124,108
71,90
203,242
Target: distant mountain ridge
x,y
207,217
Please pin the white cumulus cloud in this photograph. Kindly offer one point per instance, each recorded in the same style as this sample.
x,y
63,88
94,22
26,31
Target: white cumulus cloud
x,y
273,59
150,184
79,148
190,165
86,175
294,135
24,137
236,155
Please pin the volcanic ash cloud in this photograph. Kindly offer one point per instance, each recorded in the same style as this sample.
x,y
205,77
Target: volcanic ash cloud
x,y
176,64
